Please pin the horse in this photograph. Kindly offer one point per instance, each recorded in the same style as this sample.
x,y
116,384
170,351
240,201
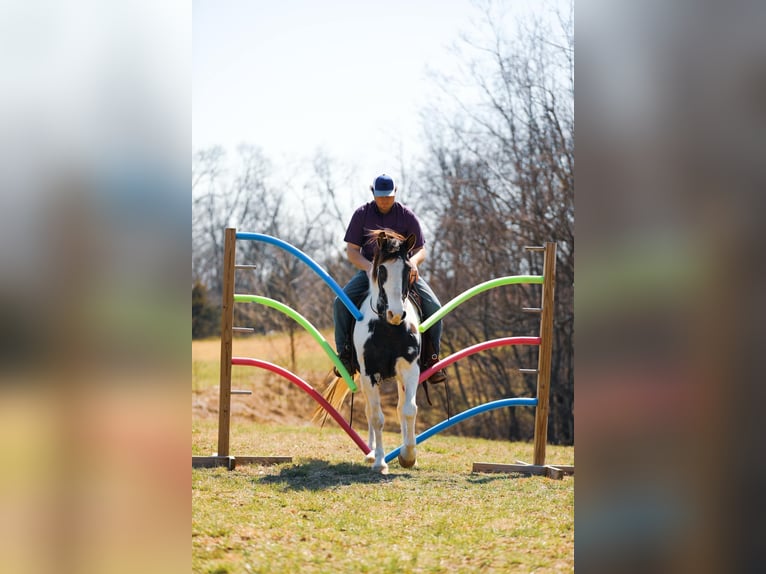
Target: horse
x,y
387,343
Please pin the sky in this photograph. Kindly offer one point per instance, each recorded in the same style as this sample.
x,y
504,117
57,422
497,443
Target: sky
x,y
345,76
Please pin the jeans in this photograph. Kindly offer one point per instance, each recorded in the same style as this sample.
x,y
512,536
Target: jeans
x,y
357,290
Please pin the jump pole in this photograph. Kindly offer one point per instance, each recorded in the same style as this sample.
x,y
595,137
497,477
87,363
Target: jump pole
x,y
538,467
222,457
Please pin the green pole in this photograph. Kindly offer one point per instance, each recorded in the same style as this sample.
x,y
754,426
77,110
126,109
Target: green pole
x,y
303,322
475,290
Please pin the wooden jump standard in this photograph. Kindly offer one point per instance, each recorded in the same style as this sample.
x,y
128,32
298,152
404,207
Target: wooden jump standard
x,y
538,467
222,457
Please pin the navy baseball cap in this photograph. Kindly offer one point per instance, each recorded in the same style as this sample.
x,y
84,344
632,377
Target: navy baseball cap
x,y
383,186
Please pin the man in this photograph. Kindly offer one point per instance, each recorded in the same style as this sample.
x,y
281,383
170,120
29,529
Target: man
x,y
384,212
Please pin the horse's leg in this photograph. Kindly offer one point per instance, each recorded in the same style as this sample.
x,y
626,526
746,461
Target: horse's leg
x,y
375,422
364,386
408,409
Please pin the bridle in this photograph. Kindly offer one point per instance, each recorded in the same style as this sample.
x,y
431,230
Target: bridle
x,y
374,310
405,290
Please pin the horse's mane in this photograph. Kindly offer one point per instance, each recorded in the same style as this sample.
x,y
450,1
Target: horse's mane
x,y
374,234
391,243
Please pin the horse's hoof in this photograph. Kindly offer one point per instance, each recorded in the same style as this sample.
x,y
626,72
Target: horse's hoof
x,y
382,469
407,463
407,457
370,458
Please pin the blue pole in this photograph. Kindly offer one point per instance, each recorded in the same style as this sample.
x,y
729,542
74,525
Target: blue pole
x,y
308,261
499,404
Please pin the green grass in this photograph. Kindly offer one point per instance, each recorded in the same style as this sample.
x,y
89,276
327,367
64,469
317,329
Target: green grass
x,y
327,512
205,374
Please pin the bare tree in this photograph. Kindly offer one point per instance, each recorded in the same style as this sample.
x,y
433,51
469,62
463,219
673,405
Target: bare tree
x,y
499,176
309,219
220,200
305,213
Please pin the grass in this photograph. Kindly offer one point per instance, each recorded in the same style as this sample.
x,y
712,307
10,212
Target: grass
x,y
327,512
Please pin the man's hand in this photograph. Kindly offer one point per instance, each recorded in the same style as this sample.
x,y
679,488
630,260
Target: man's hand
x,y
414,274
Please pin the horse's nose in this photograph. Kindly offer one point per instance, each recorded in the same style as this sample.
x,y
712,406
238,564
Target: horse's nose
x,y
394,319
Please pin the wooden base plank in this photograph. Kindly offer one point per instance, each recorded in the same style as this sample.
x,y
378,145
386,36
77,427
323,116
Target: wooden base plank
x,y
264,460
508,468
231,462
567,469
556,472
212,461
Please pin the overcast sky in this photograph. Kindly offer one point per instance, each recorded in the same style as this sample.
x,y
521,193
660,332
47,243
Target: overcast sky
x,y
297,75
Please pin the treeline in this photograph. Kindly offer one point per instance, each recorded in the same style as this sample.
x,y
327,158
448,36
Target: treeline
x,y
241,192
498,176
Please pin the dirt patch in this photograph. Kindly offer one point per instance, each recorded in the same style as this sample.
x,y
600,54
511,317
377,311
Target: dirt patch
x,y
276,400
283,407
279,402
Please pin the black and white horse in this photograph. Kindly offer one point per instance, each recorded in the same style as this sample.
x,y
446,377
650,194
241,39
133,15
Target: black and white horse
x,y
387,343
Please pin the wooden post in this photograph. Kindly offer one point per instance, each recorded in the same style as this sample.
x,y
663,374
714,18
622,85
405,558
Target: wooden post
x,y
545,352
222,457
227,323
539,467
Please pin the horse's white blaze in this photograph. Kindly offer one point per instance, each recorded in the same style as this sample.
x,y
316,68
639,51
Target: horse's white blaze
x,y
393,288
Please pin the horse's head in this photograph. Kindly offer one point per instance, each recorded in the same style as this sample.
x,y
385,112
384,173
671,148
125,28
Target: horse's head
x,y
390,275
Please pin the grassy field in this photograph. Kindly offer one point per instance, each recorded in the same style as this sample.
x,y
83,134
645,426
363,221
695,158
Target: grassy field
x,y
327,512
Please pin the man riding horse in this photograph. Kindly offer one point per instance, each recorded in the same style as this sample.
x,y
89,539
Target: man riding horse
x,y
384,212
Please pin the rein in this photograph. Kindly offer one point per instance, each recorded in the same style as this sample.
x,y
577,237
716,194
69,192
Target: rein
x,y
374,310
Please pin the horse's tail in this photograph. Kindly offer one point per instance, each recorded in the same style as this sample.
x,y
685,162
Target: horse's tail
x,y
335,393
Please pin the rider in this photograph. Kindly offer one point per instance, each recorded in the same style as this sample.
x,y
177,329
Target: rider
x,y
384,212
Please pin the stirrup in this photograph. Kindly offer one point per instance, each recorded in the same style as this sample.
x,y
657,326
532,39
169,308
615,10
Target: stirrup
x,y
439,376
346,357
351,370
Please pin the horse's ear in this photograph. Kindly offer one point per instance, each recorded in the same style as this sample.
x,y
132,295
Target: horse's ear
x,y
411,242
381,240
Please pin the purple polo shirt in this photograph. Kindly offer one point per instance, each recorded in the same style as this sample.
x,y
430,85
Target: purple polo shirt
x,y
367,218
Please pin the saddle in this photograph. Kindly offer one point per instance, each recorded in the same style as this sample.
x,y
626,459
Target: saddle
x,y
428,354
414,298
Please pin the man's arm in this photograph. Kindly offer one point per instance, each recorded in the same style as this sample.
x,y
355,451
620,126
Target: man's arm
x,y
418,257
354,254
